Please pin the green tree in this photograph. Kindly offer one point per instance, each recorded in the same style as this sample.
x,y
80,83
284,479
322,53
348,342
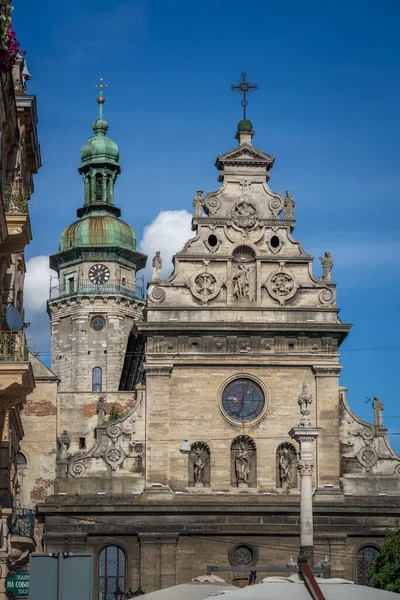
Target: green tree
x,y
114,413
385,569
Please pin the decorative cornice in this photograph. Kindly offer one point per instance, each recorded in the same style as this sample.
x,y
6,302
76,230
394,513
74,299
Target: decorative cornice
x,y
160,370
327,370
337,539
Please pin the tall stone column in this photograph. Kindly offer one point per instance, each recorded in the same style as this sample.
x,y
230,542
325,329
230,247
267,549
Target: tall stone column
x,y
305,434
157,425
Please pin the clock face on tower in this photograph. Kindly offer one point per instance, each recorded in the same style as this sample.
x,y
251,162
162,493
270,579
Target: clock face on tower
x,y
99,274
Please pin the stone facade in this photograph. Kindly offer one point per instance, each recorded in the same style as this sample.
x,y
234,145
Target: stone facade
x,y
199,467
19,161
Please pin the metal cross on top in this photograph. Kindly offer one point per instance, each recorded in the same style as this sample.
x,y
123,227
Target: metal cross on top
x,y
100,86
244,87
100,97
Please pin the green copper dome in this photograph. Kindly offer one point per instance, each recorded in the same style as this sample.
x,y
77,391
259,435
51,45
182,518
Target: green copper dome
x,y
98,228
100,148
245,125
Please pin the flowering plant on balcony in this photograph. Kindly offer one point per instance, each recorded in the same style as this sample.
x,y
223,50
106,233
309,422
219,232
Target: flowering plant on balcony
x,y
9,46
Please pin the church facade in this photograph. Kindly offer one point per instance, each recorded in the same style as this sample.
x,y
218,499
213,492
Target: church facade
x,y
166,447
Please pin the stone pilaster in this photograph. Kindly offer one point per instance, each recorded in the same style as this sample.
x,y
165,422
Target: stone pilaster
x,y
150,572
168,558
157,560
157,424
337,554
327,411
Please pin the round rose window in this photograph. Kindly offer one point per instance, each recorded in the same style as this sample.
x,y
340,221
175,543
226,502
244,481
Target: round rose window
x,y
243,400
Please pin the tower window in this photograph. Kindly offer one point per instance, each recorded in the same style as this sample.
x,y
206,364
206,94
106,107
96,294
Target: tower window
x,y
97,378
71,285
82,443
97,324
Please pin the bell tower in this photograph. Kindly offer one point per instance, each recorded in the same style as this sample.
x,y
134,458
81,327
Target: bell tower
x,y
98,298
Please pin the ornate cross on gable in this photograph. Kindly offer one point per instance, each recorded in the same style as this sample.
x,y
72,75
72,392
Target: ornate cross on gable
x,y
244,87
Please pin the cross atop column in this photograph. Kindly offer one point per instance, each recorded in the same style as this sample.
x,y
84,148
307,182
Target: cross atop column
x,y
244,87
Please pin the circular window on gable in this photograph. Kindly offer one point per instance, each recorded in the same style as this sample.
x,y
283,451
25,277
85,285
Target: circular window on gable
x,y
243,401
98,324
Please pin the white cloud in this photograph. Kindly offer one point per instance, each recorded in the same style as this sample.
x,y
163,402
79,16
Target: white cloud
x,y
37,283
168,233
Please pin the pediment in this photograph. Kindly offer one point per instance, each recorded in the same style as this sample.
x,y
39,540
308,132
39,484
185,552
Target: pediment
x,y
245,154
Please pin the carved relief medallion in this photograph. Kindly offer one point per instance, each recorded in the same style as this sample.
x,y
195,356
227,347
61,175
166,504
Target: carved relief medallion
x,y
205,285
244,215
367,457
281,285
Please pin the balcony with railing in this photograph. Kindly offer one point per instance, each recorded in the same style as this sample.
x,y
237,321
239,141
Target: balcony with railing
x,y
22,531
85,286
15,369
13,346
15,200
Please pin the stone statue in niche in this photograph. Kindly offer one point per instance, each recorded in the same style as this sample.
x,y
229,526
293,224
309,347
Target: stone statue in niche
x,y
289,206
286,463
327,266
378,407
198,203
241,282
157,266
199,468
243,466
101,410
63,444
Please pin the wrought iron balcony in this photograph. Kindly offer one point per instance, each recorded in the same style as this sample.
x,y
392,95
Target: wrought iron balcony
x,y
15,197
23,522
85,286
13,346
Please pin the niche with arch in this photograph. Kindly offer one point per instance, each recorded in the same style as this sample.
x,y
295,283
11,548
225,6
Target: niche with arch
x,y
286,471
199,465
243,462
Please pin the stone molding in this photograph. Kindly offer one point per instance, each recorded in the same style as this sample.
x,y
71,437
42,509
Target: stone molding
x,y
337,539
327,370
71,537
158,538
160,370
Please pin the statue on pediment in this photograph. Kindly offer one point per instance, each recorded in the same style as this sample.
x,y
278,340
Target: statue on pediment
x,y
198,203
289,206
157,266
327,266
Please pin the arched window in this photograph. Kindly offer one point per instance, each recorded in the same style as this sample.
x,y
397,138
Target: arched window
x,y
111,572
365,556
96,379
22,463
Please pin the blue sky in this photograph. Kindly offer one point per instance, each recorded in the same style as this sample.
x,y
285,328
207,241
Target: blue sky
x,y
327,108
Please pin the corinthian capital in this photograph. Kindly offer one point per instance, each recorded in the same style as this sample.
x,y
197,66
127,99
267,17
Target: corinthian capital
x,y
305,467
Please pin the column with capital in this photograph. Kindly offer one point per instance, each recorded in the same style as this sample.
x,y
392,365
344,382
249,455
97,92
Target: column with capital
x,y
305,434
